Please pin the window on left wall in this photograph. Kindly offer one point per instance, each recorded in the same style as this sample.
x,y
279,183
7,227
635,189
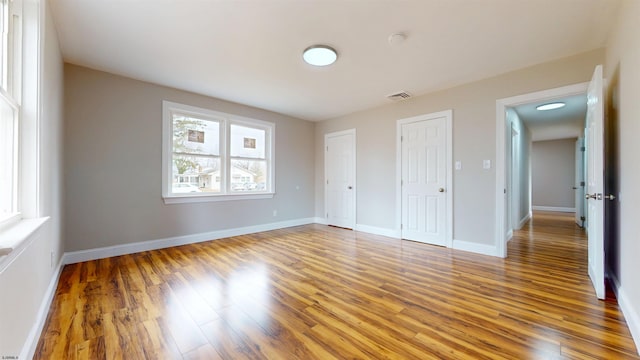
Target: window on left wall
x,y
10,102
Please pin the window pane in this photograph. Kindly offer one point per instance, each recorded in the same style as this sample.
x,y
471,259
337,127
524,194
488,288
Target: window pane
x,y
247,142
194,174
195,136
248,175
8,174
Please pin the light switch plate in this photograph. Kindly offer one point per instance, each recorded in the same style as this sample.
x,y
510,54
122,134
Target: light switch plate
x,y
486,164
458,165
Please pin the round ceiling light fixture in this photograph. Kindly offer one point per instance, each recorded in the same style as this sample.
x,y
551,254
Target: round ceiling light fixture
x,y
320,55
550,106
397,38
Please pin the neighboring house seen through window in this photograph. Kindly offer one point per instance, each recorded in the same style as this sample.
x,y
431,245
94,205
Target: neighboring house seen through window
x,y
213,156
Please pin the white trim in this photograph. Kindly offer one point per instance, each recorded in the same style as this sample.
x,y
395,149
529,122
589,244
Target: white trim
x,y
188,198
16,238
124,249
524,220
509,235
355,174
482,249
631,314
448,115
31,343
501,106
554,208
392,233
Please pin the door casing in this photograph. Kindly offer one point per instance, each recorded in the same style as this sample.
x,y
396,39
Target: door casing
x,y
501,156
448,115
352,132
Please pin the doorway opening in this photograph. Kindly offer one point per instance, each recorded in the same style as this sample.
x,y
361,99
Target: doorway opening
x,y
513,183
594,174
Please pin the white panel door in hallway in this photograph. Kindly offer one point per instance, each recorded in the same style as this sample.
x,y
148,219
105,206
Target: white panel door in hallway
x,y
424,179
595,181
340,176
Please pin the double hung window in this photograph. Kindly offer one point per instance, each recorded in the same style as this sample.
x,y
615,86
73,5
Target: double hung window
x,y
10,87
212,156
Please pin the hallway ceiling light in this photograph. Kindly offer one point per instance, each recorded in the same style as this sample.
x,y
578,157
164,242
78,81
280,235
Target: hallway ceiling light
x,y
550,106
320,55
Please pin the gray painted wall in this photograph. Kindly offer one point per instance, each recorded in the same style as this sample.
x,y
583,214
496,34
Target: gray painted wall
x,y
622,71
474,139
553,173
113,133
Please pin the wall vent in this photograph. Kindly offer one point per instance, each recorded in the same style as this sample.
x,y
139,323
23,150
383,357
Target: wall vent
x,y
399,96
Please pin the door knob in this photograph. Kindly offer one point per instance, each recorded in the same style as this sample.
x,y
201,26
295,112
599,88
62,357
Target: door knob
x,y
592,196
349,187
610,197
441,190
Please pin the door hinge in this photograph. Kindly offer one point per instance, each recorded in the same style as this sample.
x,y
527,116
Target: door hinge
x,y
401,182
327,182
327,148
401,226
582,148
582,183
327,215
401,138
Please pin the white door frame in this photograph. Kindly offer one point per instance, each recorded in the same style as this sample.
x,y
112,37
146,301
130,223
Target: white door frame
x,y
501,107
515,182
448,115
355,177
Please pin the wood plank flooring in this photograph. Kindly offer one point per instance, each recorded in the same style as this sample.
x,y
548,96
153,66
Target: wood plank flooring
x,y
316,292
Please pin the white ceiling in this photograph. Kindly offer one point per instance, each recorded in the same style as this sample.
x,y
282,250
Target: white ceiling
x,y
563,123
250,51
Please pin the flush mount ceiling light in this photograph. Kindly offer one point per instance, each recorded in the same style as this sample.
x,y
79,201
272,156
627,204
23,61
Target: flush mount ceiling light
x,y
397,38
320,55
550,106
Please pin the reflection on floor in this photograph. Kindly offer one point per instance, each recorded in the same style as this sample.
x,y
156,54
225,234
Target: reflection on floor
x,y
316,292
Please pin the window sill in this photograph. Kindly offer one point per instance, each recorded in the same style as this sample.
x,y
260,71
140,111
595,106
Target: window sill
x,y
15,236
213,198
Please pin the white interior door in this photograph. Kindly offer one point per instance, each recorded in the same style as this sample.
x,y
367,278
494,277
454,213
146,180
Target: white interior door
x,y
595,181
340,176
424,181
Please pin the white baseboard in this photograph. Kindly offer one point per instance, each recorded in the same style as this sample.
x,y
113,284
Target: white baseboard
x,y
482,249
124,249
554,208
29,348
509,235
631,315
393,233
524,220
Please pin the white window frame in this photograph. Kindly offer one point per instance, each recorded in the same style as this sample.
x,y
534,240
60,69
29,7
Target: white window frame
x,y
226,120
11,95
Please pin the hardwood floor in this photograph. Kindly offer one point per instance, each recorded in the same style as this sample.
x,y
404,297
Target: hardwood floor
x,y
316,292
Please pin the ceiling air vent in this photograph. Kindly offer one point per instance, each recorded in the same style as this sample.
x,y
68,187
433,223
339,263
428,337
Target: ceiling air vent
x,y
399,96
